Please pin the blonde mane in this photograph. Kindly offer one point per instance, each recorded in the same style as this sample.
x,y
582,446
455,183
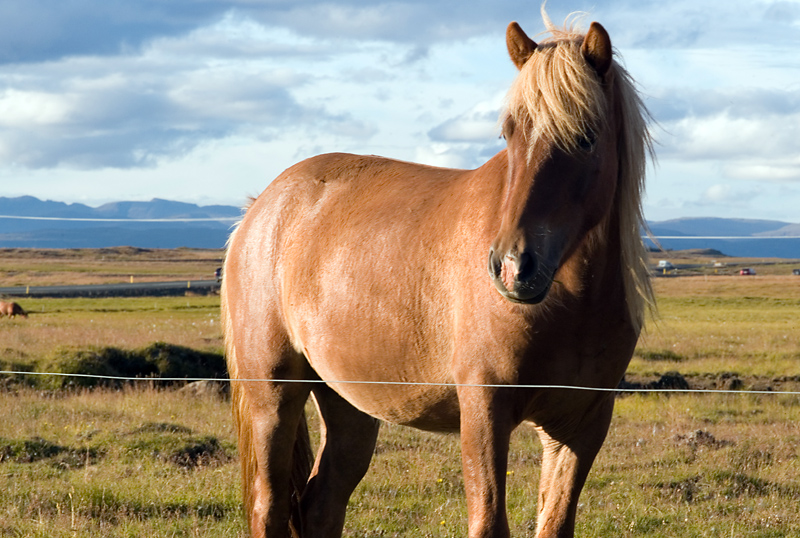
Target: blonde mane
x,y
558,96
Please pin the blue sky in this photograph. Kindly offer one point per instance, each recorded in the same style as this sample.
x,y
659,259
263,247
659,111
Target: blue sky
x,y
206,101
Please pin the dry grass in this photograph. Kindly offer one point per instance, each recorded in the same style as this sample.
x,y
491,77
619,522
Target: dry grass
x,y
112,463
728,286
46,267
116,469
655,477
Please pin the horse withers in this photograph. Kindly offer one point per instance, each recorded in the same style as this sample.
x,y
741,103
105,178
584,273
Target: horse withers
x,y
11,309
467,290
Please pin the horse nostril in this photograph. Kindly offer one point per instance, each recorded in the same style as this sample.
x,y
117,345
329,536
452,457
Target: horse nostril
x,y
526,266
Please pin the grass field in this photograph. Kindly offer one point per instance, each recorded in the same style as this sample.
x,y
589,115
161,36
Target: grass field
x,y
47,267
153,461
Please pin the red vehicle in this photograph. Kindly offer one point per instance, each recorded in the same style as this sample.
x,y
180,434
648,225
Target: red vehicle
x,y
747,271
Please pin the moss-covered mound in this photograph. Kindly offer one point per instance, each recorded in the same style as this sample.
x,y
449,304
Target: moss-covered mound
x,y
111,366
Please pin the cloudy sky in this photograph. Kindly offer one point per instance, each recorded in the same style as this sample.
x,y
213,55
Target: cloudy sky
x,y
206,101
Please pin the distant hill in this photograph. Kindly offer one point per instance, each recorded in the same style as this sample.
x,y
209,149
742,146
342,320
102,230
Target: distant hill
x,y
788,230
755,238
44,233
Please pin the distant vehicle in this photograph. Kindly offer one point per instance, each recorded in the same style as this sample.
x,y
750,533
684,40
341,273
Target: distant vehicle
x,y
796,272
665,264
747,271
218,274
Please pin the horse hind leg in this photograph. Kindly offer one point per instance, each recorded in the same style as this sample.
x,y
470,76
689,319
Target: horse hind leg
x,y
346,447
268,417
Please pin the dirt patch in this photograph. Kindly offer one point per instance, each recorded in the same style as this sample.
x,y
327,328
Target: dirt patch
x,y
667,381
715,381
162,427
683,491
205,452
702,438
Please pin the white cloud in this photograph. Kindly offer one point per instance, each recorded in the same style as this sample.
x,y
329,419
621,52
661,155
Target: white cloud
x,y
478,124
729,193
787,170
97,93
23,109
137,108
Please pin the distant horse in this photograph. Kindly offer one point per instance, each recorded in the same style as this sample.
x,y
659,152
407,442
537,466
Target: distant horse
x,y
11,310
463,284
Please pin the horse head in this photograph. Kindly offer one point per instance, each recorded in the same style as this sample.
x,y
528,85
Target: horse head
x,y
562,157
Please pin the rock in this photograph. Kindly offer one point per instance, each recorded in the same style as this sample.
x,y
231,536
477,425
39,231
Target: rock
x,y
700,438
206,389
735,384
672,380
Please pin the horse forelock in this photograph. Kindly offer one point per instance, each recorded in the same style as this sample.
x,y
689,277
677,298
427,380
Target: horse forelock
x,y
557,95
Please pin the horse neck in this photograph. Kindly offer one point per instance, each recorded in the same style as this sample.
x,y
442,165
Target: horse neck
x,y
594,273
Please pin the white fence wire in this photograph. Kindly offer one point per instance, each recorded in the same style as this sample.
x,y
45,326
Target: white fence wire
x,y
410,383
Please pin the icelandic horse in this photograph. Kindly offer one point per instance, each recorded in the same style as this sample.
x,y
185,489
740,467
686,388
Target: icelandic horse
x,y
11,309
473,287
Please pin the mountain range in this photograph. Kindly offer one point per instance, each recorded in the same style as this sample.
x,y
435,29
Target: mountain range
x,y
113,224
42,229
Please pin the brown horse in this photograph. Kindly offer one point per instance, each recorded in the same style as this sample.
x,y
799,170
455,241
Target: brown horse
x,y
11,310
351,268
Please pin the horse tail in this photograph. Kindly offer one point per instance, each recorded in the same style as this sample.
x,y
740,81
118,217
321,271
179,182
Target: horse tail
x,y
240,407
302,455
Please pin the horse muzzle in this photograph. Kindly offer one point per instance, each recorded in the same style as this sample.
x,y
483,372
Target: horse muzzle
x,y
520,277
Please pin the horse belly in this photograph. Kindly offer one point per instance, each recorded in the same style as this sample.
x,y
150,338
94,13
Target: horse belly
x,y
387,383
388,350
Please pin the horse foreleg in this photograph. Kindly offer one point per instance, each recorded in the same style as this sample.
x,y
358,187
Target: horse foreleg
x,y
346,447
569,451
485,435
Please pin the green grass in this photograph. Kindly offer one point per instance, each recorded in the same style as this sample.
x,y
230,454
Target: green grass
x,y
114,463
59,327
649,479
137,462
747,335
155,462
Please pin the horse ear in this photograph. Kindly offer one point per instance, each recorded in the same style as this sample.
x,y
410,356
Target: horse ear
x,y
520,46
596,48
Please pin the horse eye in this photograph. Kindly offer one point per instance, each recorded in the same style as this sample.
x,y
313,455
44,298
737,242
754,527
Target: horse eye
x,y
587,141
